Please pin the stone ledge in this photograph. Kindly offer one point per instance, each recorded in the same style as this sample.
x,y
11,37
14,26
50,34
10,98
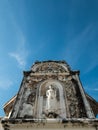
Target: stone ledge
x,y
72,122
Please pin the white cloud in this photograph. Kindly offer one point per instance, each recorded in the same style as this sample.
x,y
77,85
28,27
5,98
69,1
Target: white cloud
x,y
91,66
91,89
21,53
96,89
93,63
18,58
78,45
5,83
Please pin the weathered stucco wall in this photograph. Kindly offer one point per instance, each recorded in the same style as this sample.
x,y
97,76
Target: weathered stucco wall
x,y
55,128
50,124
1,128
51,127
69,97
51,96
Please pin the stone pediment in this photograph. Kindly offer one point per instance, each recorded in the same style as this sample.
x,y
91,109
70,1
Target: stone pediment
x,y
51,90
51,96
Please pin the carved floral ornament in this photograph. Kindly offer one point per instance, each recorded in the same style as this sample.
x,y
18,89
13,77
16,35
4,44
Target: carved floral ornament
x,y
41,77
50,67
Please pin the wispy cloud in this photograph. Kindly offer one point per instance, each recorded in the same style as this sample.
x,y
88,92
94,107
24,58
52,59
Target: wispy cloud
x,y
91,89
93,62
92,86
96,89
18,58
5,83
76,47
20,54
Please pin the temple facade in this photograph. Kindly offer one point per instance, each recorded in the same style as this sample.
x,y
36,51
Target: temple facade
x,y
51,96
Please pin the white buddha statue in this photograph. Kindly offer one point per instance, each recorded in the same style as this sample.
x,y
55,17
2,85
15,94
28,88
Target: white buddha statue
x,y
51,101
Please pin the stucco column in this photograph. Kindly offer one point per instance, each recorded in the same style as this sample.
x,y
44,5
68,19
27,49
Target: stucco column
x,y
88,109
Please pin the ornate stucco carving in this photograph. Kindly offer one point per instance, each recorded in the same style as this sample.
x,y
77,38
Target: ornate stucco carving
x,y
37,77
50,67
46,80
74,100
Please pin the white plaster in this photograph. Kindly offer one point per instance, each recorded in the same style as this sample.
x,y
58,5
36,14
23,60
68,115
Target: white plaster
x,y
51,100
39,108
60,107
50,126
1,128
27,110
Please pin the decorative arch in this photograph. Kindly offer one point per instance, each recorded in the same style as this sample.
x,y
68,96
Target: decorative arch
x,y
50,67
51,107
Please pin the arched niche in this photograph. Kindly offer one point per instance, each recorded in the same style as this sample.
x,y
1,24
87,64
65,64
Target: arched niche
x,y
51,102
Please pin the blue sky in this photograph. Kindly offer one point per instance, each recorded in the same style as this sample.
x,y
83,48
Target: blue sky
x,y
33,30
